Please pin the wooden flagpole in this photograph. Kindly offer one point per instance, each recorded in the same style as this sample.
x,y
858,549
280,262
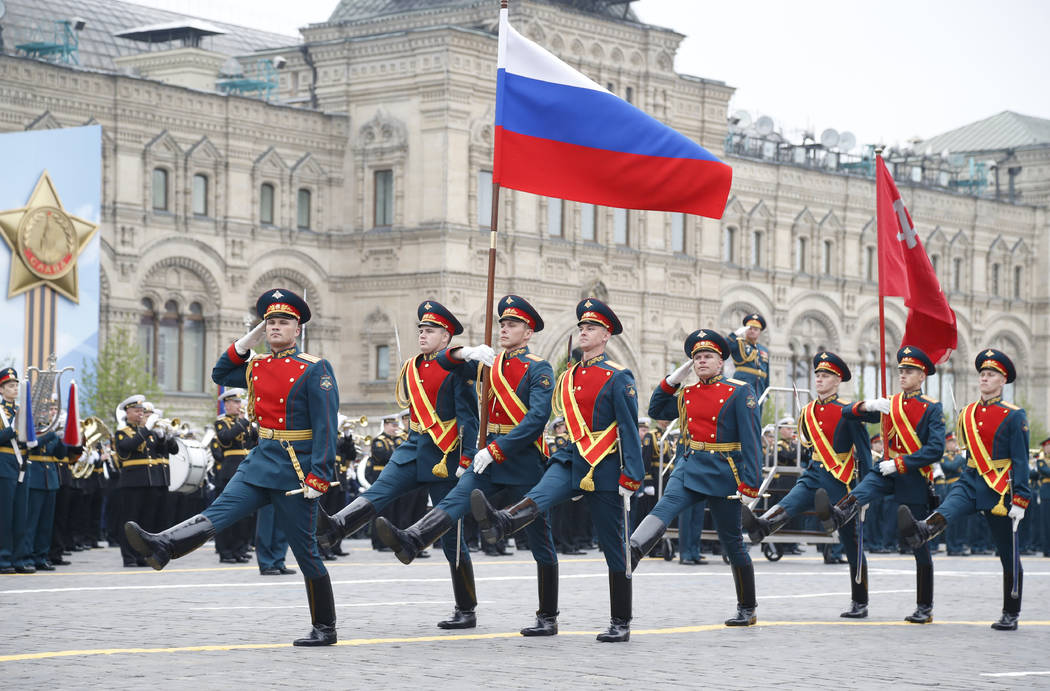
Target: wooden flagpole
x,y
882,300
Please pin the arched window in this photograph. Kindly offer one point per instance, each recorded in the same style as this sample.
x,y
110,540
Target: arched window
x,y
166,358
160,189
869,263
678,233
266,195
200,195
826,248
1018,276
994,287
174,345
957,278
729,245
588,222
191,361
621,227
302,209
756,248
554,217
800,255
148,333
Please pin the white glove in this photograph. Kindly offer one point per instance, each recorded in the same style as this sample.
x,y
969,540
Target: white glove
x,y
482,460
624,492
649,491
460,470
311,493
1016,514
479,353
245,343
678,376
881,405
938,471
741,331
887,467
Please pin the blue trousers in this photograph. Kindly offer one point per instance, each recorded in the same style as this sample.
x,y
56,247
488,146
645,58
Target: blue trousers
x,y
296,516
690,525
876,485
271,545
606,509
962,503
33,524
800,499
724,512
1044,514
457,504
13,499
873,533
399,479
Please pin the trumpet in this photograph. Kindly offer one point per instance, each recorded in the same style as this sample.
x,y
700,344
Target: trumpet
x,y
94,431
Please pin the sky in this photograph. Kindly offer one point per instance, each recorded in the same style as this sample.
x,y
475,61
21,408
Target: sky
x,y
887,71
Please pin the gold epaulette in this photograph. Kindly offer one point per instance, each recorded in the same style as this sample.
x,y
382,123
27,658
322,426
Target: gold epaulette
x,y
735,381
615,365
931,399
309,358
845,401
126,430
534,356
1011,406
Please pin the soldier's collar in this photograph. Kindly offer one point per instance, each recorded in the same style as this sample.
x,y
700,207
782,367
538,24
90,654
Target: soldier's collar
x,y
520,350
992,401
913,394
829,399
286,352
713,380
594,360
430,356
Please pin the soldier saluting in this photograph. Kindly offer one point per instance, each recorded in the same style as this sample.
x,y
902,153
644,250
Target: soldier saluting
x,y
293,397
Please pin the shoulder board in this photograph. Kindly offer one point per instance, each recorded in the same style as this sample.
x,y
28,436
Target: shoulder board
x,y
308,357
845,401
534,356
126,430
615,365
735,381
930,399
1011,406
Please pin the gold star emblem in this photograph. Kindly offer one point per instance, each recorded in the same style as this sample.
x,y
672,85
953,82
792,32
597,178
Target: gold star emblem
x,y
587,304
45,242
510,300
907,351
823,356
426,305
990,353
702,334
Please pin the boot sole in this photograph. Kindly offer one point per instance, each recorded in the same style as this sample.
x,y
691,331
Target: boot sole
x,y
308,643
136,543
907,528
822,507
479,509
530,634
751,526
385,532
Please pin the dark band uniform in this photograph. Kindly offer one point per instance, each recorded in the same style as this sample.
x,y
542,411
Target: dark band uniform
x,y
235,437
751,360
910,485
34,522
10,487
720,459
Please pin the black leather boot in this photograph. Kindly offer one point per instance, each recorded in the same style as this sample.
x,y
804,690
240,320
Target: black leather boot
x,y
834,517
759,529
322,612
744,579
923,613
466,599
858,606
547,614
179,540
645,537
496,525
620,607
917,533
408,543
353,517
1011,605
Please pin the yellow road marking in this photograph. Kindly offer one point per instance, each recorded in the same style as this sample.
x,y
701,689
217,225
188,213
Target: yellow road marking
x,y
473,637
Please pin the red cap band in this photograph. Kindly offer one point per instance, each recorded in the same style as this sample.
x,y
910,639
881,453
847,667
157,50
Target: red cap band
x,y
596,318
437,320
828,367
281,308
515,313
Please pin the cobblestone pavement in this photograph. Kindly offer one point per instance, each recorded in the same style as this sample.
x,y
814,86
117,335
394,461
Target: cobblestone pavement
x,y
202,625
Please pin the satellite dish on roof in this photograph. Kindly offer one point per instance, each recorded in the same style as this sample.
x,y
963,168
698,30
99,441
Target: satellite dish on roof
x,y
847,141
231,68
741,119
764,125
829,138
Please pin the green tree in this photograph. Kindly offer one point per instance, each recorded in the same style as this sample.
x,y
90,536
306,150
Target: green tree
x,y
119,371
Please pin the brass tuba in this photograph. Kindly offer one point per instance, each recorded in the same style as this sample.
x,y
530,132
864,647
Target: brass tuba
x,y
93,430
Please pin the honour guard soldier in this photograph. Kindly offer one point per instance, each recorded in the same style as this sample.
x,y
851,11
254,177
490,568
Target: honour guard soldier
x,y
444,432
604,462
914,435
143,484
996,435
294,398
34,521
840,455
751,358
521,384
12,459
719,461
236,436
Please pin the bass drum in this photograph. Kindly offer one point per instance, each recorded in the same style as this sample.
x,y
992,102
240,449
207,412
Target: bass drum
x,y
189,466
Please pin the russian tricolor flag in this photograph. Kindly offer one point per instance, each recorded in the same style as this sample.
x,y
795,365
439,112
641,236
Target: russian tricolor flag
x,y
559,134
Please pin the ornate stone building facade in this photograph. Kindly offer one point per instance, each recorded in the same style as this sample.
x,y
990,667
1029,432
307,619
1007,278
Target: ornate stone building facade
x,y
366,186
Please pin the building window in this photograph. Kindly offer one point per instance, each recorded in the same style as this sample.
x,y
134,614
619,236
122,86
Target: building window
x,y
384,199
382,362
266,204
199,200
166,357
678,233
935,262
957,274
1018,275
800,255
191,360
995,279
588,214
756,248
729,245
869,263
173,344
628,95
825,257
148,332
554,217
160,189
621,227
485,199
302,209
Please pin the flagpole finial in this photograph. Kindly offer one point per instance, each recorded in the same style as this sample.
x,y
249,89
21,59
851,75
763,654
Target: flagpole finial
x,y
879,148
